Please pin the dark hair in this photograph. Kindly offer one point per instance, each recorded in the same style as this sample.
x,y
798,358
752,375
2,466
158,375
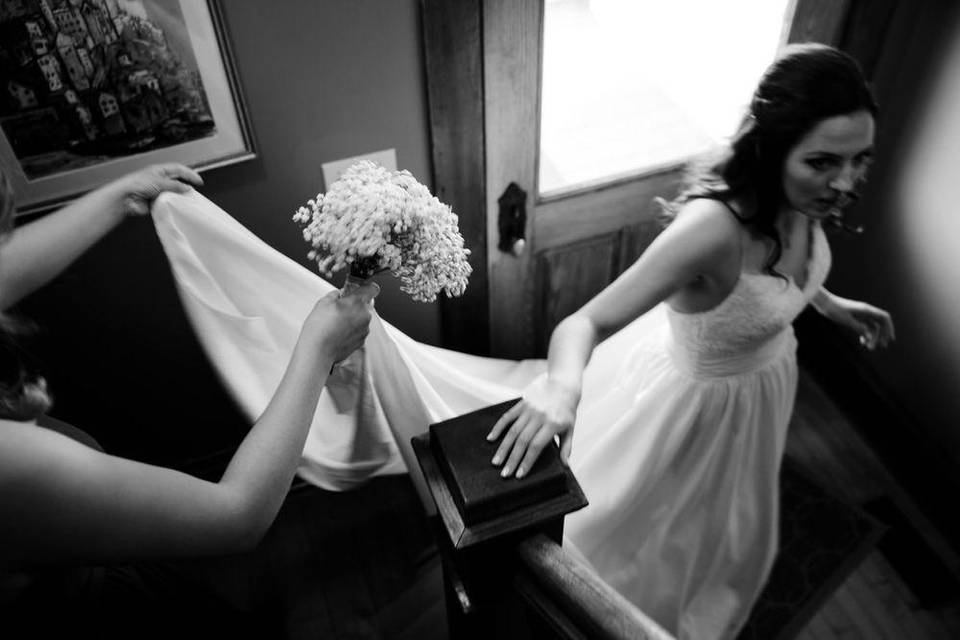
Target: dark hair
x,y
806,84
23,393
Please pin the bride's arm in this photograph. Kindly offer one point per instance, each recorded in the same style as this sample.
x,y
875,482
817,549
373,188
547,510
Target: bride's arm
x,y
702,237
873,325
36,252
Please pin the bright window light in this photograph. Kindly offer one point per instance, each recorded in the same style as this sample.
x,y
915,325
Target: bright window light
x,y
630,86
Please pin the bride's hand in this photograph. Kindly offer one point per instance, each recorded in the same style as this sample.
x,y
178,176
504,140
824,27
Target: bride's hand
x,y
548,409
873,325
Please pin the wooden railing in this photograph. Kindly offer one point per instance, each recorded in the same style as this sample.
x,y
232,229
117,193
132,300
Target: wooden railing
x,y
574,598
510,577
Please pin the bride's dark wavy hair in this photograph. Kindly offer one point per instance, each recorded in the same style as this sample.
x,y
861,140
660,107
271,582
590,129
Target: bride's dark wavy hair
x,y
806,84
23,393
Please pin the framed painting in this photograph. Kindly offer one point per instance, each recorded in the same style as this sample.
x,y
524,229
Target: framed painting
x,y
93,89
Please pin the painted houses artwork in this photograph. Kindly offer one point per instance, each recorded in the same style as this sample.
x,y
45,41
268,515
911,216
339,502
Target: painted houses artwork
x,y
88,82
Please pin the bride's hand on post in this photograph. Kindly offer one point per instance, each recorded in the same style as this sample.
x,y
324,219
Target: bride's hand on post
x,y
547,410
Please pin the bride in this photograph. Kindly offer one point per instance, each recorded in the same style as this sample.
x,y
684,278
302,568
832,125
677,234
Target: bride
x,y
680,453
670,392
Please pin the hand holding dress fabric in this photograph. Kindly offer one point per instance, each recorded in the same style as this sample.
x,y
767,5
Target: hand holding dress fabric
x,y
135,192
37,252
548,409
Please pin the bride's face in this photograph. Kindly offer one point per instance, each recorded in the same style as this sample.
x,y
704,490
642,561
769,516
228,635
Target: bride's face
x,y
822,172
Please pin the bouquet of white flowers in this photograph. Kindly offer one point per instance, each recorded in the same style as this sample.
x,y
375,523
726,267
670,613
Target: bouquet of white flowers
x,y
373,220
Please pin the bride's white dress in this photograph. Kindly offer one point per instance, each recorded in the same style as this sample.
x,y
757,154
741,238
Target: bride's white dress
x,y
679,434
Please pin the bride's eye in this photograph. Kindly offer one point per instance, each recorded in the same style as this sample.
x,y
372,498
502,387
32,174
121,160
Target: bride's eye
x,y
819,164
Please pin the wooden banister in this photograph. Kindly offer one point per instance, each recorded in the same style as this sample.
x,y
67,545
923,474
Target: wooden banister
x,y
508,577
592,607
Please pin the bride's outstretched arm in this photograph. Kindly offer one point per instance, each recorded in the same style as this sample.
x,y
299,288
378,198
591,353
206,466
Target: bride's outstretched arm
x,y
36,252
873,325
700,240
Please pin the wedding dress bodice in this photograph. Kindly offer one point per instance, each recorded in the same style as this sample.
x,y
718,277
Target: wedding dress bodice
x,y
752,323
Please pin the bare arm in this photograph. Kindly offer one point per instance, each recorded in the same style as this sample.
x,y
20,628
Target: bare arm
x,y
873,325
63,502
699,241
37,252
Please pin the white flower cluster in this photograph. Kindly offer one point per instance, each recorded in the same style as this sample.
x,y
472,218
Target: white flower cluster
x,y
372,220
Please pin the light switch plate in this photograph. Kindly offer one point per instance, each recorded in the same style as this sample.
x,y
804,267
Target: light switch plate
x,y
332,170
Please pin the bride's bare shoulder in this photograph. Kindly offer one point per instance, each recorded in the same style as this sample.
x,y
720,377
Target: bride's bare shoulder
x,y
715,214
712,221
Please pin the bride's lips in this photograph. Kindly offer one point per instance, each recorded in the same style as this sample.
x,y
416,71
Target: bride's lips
x,y
837,203
822,208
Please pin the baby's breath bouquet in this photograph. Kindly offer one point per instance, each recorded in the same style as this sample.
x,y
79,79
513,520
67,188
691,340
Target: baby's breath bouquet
x,y
372,220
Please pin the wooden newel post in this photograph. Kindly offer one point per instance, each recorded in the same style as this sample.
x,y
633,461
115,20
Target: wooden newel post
x,y
482,518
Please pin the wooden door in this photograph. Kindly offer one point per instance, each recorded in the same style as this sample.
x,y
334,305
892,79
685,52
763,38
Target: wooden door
x,y
574,244
484,82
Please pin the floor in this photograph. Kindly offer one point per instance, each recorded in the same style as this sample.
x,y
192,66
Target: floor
x,y
875,602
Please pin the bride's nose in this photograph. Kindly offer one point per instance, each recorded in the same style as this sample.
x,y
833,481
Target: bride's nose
x,y
844,180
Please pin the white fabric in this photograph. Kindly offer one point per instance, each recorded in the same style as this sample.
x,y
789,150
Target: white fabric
x,y
678,448
679,434
247,303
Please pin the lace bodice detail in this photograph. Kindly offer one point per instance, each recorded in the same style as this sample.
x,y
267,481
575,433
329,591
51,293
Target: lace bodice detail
x,y
760,308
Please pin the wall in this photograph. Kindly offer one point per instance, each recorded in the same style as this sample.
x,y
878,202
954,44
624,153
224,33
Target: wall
x,y
322,80
926,205
908,260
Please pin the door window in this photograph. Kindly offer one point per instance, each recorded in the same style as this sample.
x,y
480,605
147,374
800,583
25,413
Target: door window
x,y
634,86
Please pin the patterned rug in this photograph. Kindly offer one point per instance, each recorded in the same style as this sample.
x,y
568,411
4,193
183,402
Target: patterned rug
x,y
822,540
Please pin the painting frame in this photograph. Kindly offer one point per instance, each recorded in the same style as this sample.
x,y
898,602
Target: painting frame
x,y
213,83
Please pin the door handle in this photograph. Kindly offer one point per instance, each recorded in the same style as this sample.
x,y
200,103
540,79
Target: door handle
x,y
512,220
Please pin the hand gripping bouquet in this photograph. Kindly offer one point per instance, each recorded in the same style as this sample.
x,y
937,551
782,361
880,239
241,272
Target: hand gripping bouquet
x,y
372,220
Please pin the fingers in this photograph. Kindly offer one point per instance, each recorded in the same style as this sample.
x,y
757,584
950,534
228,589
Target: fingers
x,y
566,446
507,443
875,328
505,420
365,292
541,439
888,330
524,442
166,184
181,173
359,338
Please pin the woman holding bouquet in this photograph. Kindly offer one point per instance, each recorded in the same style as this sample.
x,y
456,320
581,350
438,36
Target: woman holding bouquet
x,y
678,445
66,504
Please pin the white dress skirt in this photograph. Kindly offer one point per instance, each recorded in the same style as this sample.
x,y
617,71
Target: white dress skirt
x,y
679,433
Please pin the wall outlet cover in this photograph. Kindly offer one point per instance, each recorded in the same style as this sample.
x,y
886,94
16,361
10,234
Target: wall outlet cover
x,y
334,169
